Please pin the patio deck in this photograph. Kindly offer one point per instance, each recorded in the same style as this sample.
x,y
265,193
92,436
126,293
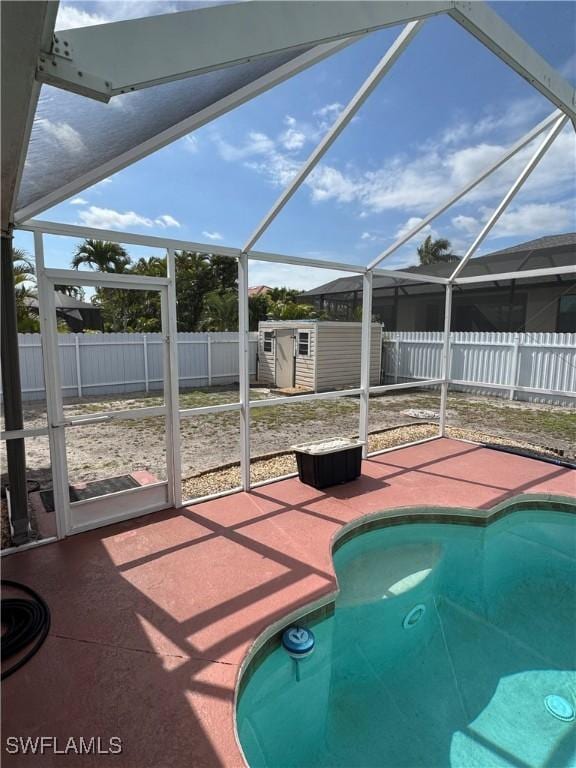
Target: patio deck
x,y
151,618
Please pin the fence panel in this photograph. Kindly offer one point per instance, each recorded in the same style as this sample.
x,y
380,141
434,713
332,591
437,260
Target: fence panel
x,y
94,364
511,363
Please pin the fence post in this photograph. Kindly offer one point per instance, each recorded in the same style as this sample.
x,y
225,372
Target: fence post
x,y
78,369
209,360
514,366
396,359
146,378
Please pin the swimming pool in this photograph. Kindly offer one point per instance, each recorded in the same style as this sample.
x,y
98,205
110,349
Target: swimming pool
x,y
445,646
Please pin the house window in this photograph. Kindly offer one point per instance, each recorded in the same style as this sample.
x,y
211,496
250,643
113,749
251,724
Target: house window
x,y
268,336
567,314
303,343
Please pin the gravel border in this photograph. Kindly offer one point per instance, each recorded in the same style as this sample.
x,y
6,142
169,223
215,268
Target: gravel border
x,y
272,466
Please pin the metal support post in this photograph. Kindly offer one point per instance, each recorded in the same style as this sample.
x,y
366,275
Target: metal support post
x,y
12,399
365,359
445,360
244,370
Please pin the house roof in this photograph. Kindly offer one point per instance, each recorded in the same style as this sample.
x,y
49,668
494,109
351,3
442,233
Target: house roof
x,y
259,290
544,252
64,302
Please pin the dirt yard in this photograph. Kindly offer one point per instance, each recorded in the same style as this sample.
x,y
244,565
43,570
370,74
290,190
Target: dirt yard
x,y
210,441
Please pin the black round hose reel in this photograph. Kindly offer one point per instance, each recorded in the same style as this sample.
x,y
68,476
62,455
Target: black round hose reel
x,y
25,624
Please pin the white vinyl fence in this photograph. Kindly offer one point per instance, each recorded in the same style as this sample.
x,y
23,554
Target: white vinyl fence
x,y
539,367
116,363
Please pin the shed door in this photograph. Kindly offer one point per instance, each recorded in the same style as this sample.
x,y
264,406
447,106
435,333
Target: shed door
x,y
285,358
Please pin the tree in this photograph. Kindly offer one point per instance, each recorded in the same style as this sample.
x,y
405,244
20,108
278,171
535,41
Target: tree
x,y
258,308
24,282
101,255
289,310
436,251
220,311
195,279
75,291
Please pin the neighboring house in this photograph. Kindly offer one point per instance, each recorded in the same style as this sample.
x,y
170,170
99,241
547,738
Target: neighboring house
x,y
78,315
314,354
259,290
543,304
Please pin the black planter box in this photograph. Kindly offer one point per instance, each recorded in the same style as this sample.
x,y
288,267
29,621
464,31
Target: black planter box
x,y
321,466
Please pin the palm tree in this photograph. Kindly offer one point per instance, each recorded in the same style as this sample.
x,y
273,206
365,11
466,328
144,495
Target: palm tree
x,y
24,282
435,251
221,311
101,255
75,291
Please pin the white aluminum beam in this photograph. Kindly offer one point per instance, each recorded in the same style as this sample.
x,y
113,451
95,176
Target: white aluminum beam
x,y
487,27
365,360
291,399
55,413
415,277
302,261
109,279
244,370
525,274
128,238
506,200
152,241
445,360
184,127
405,385
372,81
109,59
514,149
172,384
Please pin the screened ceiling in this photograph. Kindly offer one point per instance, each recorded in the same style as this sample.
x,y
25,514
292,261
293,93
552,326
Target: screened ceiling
x,y
73,135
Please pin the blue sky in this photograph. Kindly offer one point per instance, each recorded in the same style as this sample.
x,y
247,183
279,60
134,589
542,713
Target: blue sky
x,y
446,109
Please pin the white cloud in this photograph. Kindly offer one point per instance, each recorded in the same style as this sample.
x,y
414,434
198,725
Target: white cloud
x,y
413,185
257,144
213,235
302,278
167,221
328,183
70,17
106,218
64,135
293,139
513,116
467,224
366,236
78,201
533,219
412,222
191,143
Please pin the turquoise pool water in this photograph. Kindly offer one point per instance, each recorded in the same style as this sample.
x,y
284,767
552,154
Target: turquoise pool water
x,y
465,686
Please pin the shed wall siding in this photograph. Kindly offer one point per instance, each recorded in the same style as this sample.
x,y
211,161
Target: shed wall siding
x,y
339,355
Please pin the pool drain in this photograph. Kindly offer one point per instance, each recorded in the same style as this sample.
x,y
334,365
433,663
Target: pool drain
x,y
559,707
413,617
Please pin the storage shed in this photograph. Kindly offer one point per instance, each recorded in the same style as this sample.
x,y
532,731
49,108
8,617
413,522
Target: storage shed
x,y
316,355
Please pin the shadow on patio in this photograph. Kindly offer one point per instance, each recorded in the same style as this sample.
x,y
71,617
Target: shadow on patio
x,y
152,618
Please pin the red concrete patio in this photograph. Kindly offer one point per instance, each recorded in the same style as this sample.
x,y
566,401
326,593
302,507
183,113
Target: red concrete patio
x,y
151,618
